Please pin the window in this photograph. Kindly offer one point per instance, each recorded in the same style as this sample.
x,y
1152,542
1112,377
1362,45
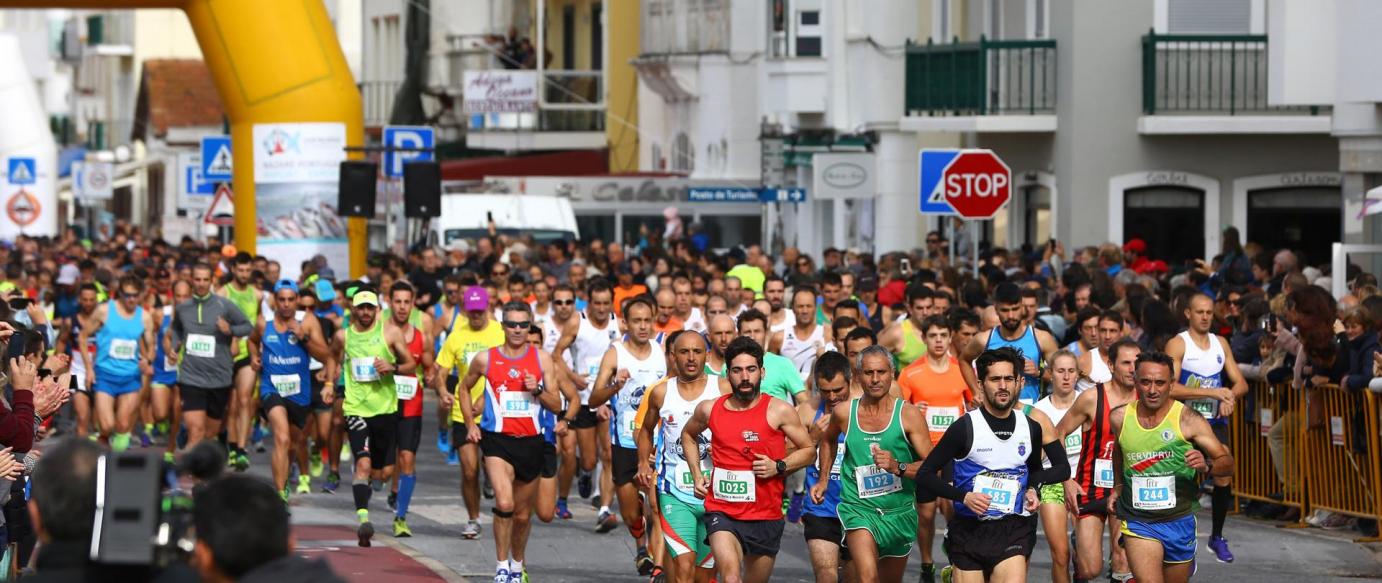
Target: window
x,y
1169,219
568,37
683,154
1210,17
808,37
597,37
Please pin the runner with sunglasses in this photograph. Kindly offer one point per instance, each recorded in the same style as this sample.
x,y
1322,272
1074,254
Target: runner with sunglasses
x,y
124,336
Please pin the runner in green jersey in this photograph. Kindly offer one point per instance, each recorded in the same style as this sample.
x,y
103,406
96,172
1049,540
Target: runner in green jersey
x,y
370,353
1156,486
243,396
882,437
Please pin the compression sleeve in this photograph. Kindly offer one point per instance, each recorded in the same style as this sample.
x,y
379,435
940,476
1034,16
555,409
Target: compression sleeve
x,y
1055,451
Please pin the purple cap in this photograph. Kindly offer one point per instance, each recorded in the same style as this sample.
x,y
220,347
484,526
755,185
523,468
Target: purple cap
x,y
476,298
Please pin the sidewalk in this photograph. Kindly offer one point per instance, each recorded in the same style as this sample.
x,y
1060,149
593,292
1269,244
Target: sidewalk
x,y
385,561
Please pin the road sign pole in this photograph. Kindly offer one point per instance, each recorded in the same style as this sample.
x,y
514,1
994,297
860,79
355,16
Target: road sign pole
x,y
974,244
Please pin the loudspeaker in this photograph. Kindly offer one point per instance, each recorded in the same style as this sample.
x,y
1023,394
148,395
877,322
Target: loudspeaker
x,y
421,190
357,189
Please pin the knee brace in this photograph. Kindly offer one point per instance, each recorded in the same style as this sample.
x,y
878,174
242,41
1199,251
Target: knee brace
x,y
500,513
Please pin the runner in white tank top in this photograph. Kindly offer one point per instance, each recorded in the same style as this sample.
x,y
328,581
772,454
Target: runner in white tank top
x,y
589,347
1098,373
642,374
802,351
695,322
674,471
1202,369
788,322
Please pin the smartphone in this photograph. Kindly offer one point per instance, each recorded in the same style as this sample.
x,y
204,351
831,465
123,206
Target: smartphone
x,y
906,266
1269,323
20,303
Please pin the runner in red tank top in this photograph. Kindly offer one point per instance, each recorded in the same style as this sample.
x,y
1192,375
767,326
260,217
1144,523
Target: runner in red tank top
x,y
743,494
420,345
1088,488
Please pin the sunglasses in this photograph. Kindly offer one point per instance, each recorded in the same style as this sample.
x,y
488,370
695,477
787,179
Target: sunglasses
x,y
129,296
563,302
499,272
452,291
516,324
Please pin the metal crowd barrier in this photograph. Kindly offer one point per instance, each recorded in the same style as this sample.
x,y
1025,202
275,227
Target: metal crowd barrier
x,y
1343,455
1256,474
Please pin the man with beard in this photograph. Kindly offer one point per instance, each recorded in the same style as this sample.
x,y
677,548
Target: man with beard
x,y
820,519
626,371
997,471
201,334
780,377
775,291
748,452
248,298
589,338
1032,344
671,404
883,437
1093,363
411,324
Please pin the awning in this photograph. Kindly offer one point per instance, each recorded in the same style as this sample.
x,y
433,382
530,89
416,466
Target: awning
x,y
572,163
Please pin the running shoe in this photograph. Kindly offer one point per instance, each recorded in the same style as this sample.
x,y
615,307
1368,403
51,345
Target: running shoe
x,y
583,485
284,494
946,573
333,481
400,528
1338,522
643,562
562,512
1220,547
365,532
144,440
501,576
393,500
168,457
606,521
377,485
518,576
453,458
659,576
242,461
471,530
928,573
794,509
315,466
304,485
443,441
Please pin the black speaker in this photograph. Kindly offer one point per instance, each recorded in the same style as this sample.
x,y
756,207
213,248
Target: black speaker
x,y
421,190
359,182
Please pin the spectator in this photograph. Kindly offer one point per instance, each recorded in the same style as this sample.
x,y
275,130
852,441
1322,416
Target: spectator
x,y
243,535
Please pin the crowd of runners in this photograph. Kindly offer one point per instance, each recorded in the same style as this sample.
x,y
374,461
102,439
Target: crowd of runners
x,y
701,400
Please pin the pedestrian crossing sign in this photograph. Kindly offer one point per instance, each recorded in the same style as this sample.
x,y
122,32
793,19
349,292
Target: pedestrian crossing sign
x,y
22,171
217,162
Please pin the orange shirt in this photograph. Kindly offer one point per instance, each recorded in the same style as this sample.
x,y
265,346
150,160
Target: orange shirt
x,y
623,293
944,395
673,324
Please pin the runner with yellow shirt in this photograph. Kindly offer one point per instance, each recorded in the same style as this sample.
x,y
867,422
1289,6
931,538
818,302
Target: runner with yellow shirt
x,y
479,334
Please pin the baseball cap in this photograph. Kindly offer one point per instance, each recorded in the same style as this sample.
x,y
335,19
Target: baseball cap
x,y
1135,246
327,273
325,292
286,284
68,274
365,298
476,298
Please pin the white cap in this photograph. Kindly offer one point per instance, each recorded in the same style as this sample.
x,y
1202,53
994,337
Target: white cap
x,y
68,275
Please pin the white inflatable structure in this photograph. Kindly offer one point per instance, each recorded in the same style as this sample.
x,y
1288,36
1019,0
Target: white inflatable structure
x,y
28,198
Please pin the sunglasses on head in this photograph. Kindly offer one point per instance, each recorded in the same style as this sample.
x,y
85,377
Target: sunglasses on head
x,y
516,324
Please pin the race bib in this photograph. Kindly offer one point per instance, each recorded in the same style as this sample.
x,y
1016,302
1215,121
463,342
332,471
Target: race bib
x,y
1153,492
873,482
122,349
939,419
1209,408
1103,473
839,461
685,481
1073,443
406,387
1003,492
362,370
201,345
516,404
287,385
733,486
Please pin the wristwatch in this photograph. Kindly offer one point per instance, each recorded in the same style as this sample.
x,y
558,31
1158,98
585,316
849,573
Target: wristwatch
x,y
781,466
901,469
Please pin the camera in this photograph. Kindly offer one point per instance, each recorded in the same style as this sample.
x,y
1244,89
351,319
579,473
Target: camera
x,y
144,506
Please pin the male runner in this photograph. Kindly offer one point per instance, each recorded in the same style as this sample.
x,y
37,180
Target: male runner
x,y
478,334
1156,483
689,314
907,339
1203,364
240,291
1034,345
936,385
588,338
821,520
1093,362
627,369
518,379
281,349
444,315
671,403
124,334
563,312
411,325
201,334
775,292
163,384
667,321
780,378
371,354
1087,322
1090,482
328,427
81,400
721,332
997,466
882,437
806,340
748,454
1054,515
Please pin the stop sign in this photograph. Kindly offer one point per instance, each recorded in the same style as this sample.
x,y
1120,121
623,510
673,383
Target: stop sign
x,y
976,184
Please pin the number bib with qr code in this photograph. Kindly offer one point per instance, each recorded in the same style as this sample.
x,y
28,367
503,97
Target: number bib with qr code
x,y
287,385
516,404
685,481
941,418
201,345
363,371
1002,492
406,386
734,486
122,349
873,482
1103,473
1153,492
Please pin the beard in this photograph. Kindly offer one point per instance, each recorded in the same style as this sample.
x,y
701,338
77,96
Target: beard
x,y
745,391
1012,325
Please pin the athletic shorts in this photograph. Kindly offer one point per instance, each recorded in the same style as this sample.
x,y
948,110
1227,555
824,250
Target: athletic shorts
x,y
458,434
756,537
116,386
1177,537
894,530
585,419
166,381
318,405
980,545
684,529
924,496
409,433
239,364
212,401
297,414
549,459
523,453
625,462
826,528
373,435
1052,494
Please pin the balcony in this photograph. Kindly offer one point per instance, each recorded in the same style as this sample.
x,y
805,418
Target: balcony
x,y
1215,84
985,86
569,116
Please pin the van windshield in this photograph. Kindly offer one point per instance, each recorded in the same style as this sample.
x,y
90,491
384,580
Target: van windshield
x,y
539,235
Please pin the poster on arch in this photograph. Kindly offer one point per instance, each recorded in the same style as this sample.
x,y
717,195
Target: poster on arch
x,y
296,181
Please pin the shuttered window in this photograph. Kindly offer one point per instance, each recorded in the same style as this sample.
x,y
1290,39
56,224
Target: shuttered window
x,y
1209,16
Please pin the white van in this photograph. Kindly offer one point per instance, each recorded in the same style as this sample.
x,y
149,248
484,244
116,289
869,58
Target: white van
x,y
466,216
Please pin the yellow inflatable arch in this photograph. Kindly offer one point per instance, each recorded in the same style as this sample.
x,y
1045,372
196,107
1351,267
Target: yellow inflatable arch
x,y
274,61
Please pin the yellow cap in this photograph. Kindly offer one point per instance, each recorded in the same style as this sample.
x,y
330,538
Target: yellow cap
x,y
365,298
